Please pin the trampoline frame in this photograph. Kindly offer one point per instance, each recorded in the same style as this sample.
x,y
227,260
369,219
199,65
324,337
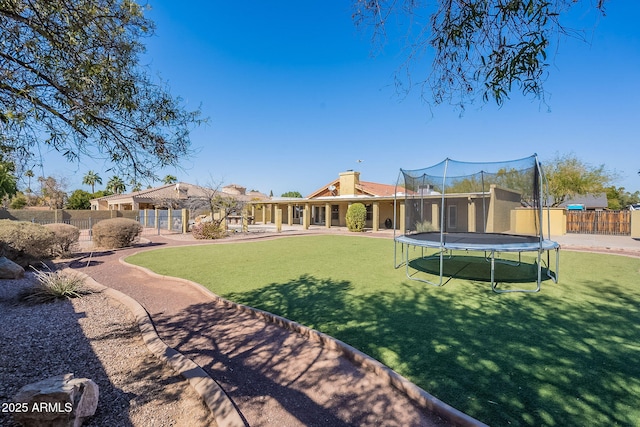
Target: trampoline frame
x,y
491,255
536,243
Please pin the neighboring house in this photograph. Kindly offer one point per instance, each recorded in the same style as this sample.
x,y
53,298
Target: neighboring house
x,y
171,195
588,202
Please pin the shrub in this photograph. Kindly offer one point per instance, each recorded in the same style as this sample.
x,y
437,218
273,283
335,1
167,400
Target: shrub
x,y
207,230
54,285
116,233
356,217
18,202
24,242
66,238
424,227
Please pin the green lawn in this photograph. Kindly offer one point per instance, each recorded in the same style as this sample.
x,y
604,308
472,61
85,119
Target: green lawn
x,y
569,355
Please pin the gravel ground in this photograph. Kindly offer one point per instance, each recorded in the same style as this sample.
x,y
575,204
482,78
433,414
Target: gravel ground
x,y
93,337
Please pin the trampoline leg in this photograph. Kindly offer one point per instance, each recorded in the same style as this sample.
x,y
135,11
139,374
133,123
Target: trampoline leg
x,y
504,291
553,276
493,270
410,277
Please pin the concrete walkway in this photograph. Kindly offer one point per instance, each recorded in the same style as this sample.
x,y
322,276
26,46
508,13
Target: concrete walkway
x,y
598,242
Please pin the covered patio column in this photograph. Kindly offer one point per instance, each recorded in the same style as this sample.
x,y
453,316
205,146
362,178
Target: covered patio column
x,y
376,216
327,215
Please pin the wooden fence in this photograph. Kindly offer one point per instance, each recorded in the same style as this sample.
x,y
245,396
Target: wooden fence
x,y
599,222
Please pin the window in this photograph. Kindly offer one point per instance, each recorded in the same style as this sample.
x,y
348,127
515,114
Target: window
x,y
335,212
452,217
369,212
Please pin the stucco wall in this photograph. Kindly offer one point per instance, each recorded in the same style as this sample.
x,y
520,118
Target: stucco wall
x,y
525,221
501,205
635,224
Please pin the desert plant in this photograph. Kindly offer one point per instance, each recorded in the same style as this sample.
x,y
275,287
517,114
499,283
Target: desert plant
x,y
116,233
24,242
53,285
207,230
356,217
66,238
425,226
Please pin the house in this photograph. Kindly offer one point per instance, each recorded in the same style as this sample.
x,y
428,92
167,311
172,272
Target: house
x,y
328,206
174,196
588,202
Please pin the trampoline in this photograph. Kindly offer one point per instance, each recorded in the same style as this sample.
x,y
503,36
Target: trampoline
x,y
493,208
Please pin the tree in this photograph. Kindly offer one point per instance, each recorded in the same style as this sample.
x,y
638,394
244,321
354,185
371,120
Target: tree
x,y
291,194
91,178
135,185
19,201
101,193
71,80
169,179
79,199
53,191
619,198
8,181
29,174
116,185
481,47
215,201
569,176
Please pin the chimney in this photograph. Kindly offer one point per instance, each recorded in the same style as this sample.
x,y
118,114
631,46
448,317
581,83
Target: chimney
x,y
348,182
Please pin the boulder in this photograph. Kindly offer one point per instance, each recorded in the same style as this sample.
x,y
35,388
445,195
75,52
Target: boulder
x,y
60,401
9,269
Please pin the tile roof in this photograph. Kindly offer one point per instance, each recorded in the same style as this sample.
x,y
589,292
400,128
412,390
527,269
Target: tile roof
x,y
376,189
180,190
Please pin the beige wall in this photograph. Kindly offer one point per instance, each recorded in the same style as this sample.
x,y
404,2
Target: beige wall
x,y
501,204
525,220
635,224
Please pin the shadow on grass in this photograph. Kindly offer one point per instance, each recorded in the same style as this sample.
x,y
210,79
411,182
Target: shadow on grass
x,y
253,361
537,359
479,268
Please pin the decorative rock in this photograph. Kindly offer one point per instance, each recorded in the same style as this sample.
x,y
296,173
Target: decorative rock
x,y
60,401
9,269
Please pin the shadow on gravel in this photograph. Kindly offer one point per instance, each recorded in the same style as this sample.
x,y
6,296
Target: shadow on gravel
x,y
33,350
45,340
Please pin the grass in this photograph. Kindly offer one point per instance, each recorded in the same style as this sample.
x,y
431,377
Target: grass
x,y
569,355
54,285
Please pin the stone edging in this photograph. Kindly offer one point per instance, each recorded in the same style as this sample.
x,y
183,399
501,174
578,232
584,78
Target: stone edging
x,y
220,405
416,394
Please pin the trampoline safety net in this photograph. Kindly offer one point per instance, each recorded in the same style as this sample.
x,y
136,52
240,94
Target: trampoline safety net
x,y
472,197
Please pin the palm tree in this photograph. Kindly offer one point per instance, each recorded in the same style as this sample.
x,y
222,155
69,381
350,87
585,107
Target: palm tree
x,y
136,186
29,174
116,185
92,178
169,179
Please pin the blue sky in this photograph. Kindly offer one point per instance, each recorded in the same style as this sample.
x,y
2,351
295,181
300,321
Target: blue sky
x,y
294,96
